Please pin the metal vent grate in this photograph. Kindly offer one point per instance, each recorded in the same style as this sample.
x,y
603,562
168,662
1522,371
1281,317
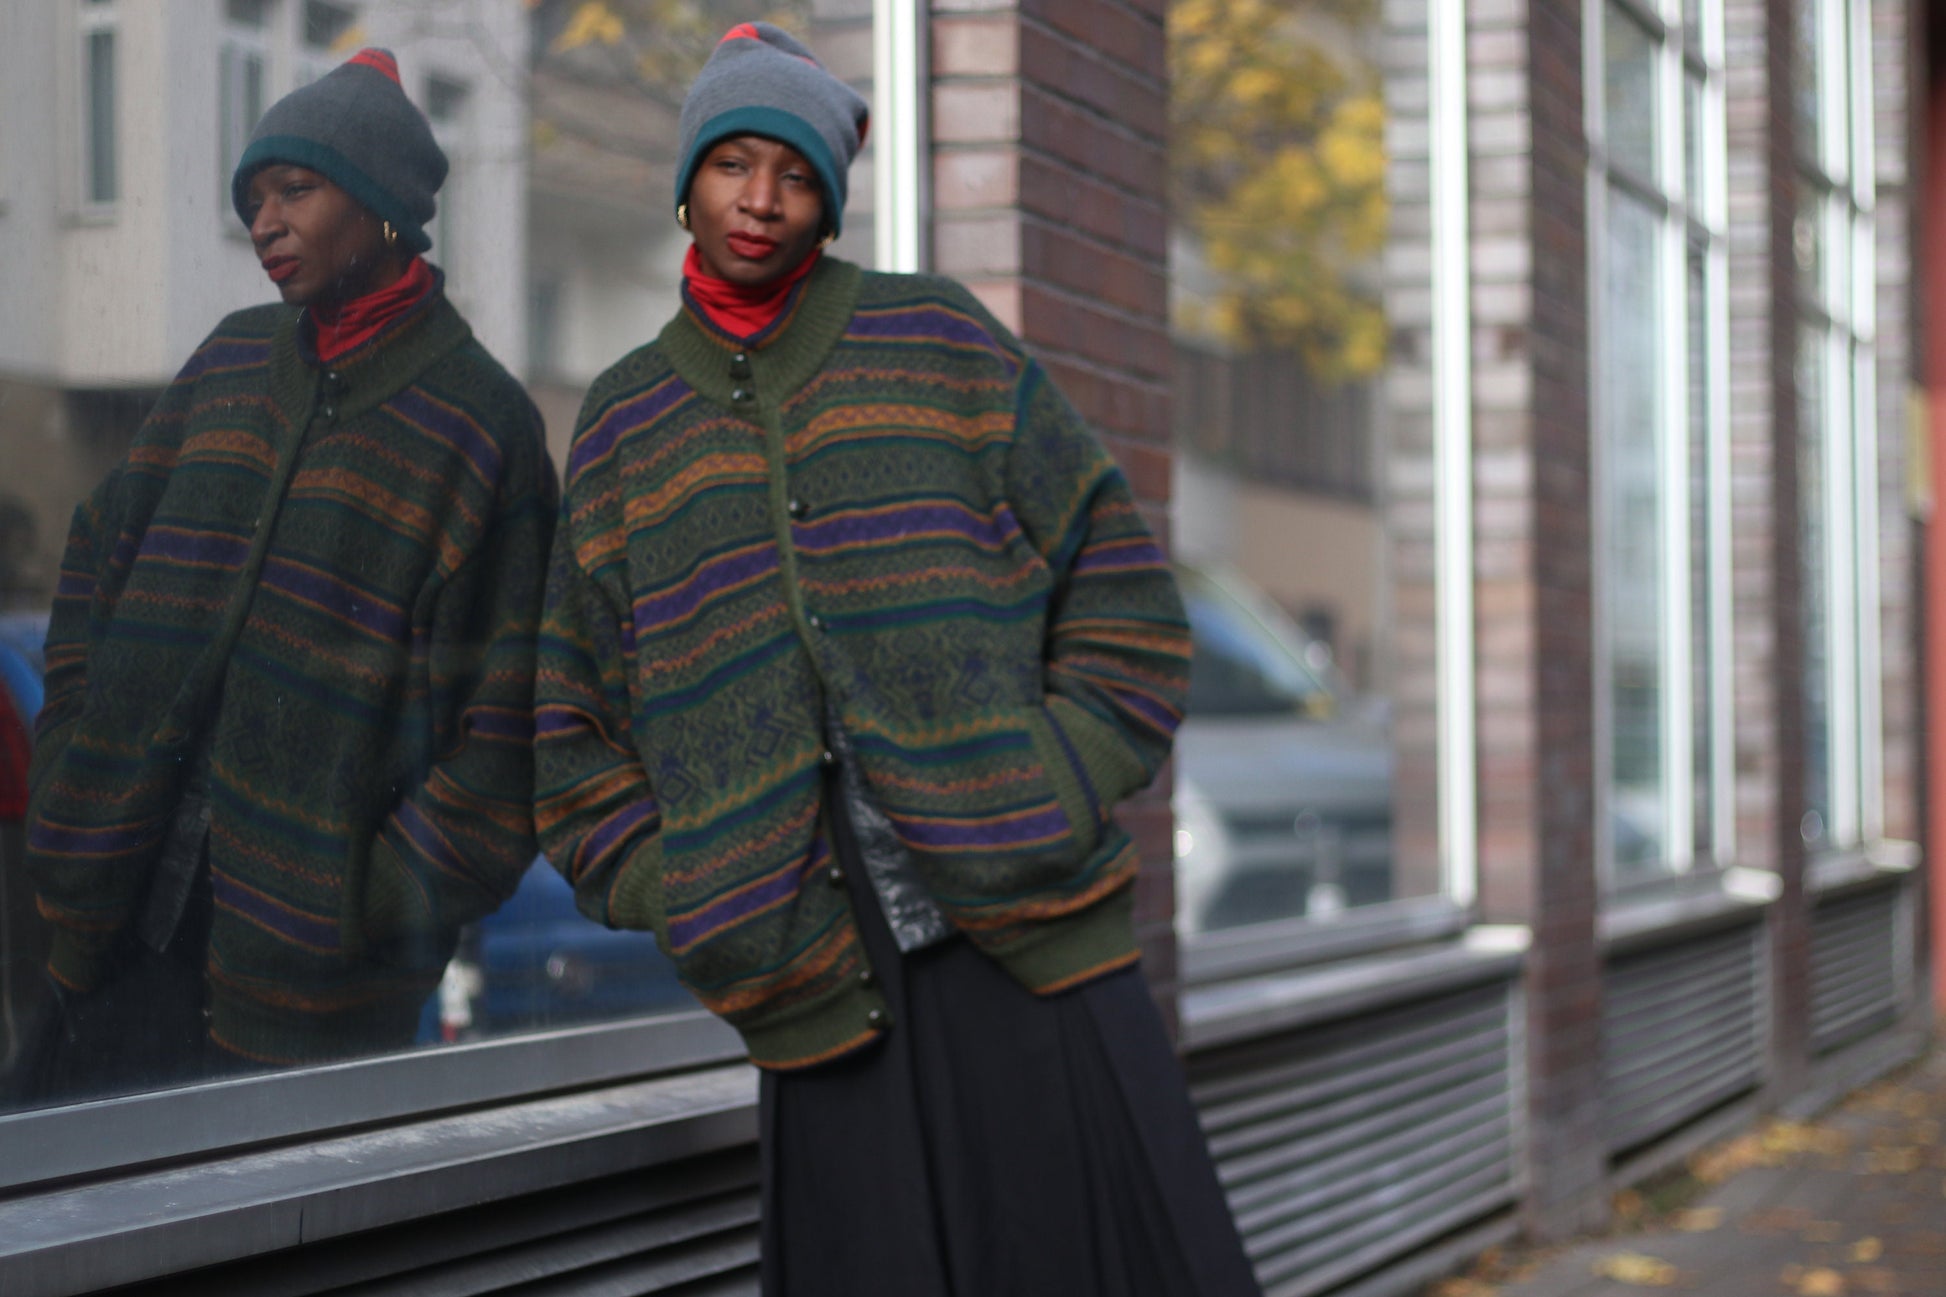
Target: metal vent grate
x,y
688,1229
1345,1147
1854,967
1683,1033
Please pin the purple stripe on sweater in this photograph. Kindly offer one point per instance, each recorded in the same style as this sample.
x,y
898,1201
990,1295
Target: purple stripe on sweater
x,y
728,910
717,575
550,721
1148,709
74,585
225,353
339,599
123,554
926,322
616,829
74,840
931,835
1122,556
623,419
305,929
501,723
903,520
185,546
444,423
428,842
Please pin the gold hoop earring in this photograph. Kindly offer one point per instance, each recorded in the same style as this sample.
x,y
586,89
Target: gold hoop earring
x,y
682,215
391,235
830,237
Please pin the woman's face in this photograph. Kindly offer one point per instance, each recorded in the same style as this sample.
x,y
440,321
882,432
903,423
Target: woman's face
x,y
755,210
317,244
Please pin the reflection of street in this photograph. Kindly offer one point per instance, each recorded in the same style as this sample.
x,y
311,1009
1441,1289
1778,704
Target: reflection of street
x,y
1846,1206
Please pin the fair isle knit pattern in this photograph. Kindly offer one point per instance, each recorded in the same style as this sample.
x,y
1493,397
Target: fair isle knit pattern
x,y
327,582
883,509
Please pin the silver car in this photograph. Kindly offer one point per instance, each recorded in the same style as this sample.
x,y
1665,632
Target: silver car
x,y
1283,776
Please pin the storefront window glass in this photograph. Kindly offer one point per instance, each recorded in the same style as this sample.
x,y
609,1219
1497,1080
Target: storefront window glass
x,y
556,233
1303,505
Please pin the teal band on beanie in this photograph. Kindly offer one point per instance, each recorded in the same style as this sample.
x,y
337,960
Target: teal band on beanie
x,y
334,166
772,124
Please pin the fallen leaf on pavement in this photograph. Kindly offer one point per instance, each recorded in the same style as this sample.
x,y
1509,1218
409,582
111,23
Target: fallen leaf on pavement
x,y
1634,1268
1464,1287
1867,1249
1820,1283
1698,1220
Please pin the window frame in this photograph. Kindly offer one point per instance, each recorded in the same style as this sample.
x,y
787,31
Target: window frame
x,y
1687,224
1837,300
97,19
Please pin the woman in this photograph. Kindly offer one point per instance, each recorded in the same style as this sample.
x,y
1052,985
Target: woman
x,y
854,638
285,750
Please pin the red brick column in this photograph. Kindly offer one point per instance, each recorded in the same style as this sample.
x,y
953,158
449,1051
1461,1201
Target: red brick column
x,y
1533,566
1048,126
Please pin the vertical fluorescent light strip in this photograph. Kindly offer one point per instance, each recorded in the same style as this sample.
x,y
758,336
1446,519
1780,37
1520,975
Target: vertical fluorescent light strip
x,y
1452,448
898,134
1841,631
1678,693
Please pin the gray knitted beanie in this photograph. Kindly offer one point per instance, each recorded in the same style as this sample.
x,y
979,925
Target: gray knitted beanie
x,y
355,126
761,81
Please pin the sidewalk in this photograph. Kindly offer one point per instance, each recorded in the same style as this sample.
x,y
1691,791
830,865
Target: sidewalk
x,y
1852,1205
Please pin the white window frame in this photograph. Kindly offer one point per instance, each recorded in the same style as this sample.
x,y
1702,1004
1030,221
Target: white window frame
x,y
1839,173
1684,221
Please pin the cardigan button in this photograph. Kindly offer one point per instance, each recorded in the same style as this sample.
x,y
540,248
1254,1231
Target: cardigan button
x,y
815,622
329,412
740,394
879,1018
835,876
868,978
827,758
796,508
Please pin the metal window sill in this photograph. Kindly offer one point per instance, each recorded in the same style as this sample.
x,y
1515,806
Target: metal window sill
x,y
119,1230
1227,1012
1703,903
1843,873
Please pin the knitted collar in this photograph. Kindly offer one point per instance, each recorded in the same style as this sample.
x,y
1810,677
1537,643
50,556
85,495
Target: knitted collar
x,y
350,325
790,357
743,314
365,379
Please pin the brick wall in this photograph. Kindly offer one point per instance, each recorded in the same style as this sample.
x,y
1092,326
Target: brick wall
x,y
1048,125
1527,157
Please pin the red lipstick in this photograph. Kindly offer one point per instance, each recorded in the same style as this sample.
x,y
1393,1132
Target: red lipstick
x,y
751,247
280,268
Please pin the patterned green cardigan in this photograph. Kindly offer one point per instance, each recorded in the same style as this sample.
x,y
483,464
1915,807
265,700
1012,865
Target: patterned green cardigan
x,y
887,511
326,583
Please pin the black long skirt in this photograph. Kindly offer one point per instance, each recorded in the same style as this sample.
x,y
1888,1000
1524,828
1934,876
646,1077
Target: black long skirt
x,y
992,1144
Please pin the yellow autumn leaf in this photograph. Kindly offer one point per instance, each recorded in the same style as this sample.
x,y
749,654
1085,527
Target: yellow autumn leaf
x,y
1698,1220
1820,1283
1867,1250
1636,1269
593,22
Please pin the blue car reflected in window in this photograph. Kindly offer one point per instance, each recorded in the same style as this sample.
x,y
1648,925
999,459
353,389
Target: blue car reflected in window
x,y
538,963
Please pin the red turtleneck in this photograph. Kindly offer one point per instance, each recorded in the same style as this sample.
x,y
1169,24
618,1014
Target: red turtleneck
x,y
352,324
739,311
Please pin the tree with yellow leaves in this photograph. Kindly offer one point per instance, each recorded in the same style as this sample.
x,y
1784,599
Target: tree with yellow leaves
x,y
1278,174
